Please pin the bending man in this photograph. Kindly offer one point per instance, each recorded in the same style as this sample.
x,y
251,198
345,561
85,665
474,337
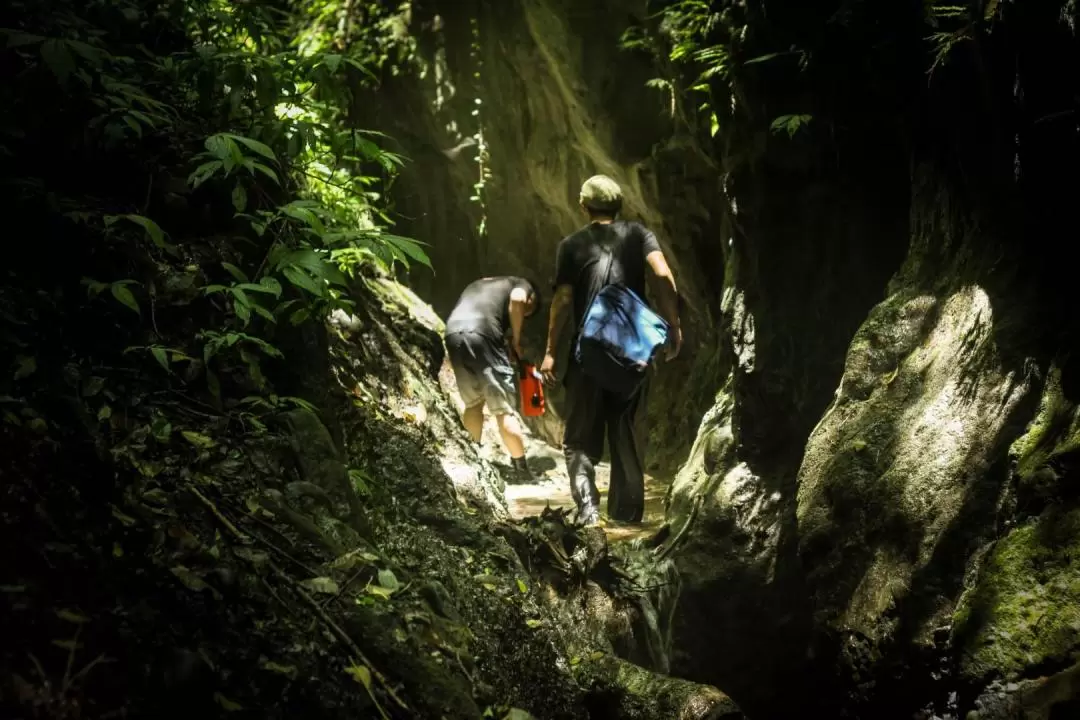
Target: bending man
x,y
590,410
487,312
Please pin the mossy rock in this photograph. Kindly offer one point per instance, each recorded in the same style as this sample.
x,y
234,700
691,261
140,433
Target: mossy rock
x,y
1040,455
1024,611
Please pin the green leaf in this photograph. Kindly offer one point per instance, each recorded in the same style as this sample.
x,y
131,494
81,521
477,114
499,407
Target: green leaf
x,y
58,57
714,125
213,384
142,117
299,316
266,347
522,586
27,365
261,288
302,280
790,123
254,145
189,578
305,215
199,440
242,311
161,429
218,146
322,585
122,294
763,58
315,263
19,39
332,62
239,296
263,312
136,127
288,671
517,714
88,52
264,170
226,704
161,356
388,580
239,198
272,285
411,248
93,386
93,287
72,617
362,68
157,236
236,272
203,173
378,591
361,674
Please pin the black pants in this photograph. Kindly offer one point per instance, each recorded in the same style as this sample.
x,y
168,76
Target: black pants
x,y
590,412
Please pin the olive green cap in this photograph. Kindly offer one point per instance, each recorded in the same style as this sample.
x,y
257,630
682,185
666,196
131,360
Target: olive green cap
x,y
601,193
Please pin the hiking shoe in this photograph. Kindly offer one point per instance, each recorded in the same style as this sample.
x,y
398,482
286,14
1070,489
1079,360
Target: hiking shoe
x,y
523,472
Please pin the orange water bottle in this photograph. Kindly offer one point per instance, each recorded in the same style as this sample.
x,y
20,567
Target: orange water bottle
x,y
532,391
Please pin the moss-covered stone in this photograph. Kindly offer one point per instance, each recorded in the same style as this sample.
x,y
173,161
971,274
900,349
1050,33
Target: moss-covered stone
x,y
1023,612
892,490
1052,435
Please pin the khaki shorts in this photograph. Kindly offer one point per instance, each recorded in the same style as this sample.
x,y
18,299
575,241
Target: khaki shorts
x,y
483,372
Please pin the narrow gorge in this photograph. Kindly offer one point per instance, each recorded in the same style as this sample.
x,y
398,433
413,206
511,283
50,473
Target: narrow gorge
x,y
234,476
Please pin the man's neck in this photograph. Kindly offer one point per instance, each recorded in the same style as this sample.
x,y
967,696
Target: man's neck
x,y
601,221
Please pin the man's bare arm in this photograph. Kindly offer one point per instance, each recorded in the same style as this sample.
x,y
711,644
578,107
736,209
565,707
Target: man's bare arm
x,y
564,295
518,299
557,317
668,298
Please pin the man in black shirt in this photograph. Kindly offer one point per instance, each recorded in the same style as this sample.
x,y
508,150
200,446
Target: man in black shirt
x,y
476,336
580,266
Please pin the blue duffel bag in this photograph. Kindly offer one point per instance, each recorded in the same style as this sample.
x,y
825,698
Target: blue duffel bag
x,y
619,336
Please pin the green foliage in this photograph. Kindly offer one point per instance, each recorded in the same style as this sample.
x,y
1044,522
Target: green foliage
x,y
207,192
951,25
696,40
790,124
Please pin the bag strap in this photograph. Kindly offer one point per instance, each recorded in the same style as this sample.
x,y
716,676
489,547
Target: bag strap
x,y
610,261
607,280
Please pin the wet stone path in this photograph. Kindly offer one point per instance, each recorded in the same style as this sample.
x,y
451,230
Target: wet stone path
x,y
524,500
554,490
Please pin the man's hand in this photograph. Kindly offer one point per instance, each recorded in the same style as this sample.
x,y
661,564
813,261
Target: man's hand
x,y
547,369
674,343
517,354
557,316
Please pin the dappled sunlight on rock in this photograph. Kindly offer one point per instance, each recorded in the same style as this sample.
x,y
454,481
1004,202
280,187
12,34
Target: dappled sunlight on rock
x,y
888,476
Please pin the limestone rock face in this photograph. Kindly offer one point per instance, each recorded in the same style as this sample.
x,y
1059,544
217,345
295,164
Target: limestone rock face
x,y
919,542
897,484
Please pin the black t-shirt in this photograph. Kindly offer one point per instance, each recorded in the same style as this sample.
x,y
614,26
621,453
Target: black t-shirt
x,y
581,261
484,307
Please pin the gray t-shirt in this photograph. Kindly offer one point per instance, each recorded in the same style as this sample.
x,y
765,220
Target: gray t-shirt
x,y
581,261
484,307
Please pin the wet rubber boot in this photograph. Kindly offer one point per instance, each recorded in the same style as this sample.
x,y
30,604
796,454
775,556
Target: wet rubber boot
x,y
522,470
589,517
